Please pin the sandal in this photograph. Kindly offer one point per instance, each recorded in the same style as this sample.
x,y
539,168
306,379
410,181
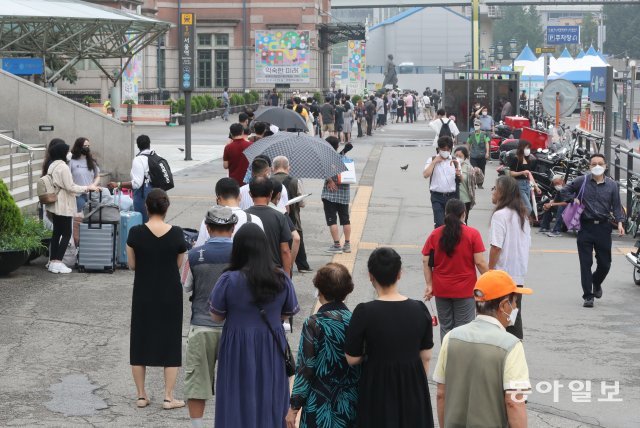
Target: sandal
x,y
142,402
172,404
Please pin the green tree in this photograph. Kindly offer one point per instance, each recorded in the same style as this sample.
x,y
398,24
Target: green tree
x,y
589,31
623,38
521,23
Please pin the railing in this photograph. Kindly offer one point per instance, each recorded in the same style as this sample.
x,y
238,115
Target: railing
x,y
628,169
30,150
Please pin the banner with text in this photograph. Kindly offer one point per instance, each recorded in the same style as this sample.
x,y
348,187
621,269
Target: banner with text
x,y
132,76
282,56
357,66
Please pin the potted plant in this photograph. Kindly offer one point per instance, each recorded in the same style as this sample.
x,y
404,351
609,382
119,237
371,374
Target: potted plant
x,y
88,99
19,237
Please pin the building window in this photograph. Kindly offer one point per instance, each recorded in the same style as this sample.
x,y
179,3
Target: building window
x,y
161,68
222,40
222,68
204,39
204,68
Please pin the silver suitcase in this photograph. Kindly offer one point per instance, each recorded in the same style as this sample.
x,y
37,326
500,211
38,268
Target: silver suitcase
x,y
97,249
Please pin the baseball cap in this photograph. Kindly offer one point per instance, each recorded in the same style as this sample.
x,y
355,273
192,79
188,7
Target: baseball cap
x,y
476,123
220,215
495,284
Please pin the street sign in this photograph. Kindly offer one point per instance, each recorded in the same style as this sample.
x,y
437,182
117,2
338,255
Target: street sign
x,y
23,66
45,128
187,51
563,34
545,50
598,85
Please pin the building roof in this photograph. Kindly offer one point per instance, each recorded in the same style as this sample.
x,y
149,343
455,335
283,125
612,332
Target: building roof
x,y
68,9
396,18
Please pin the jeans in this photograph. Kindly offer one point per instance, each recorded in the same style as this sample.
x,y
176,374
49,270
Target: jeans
x,y
81,201
369,124
438,202
359,121
453,313
548,215
225,114
467,209
594,237
410,114
62,228
139,198
479,163
525,194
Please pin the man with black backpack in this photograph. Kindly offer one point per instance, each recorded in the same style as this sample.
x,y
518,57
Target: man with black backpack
x,y
148,171
444,127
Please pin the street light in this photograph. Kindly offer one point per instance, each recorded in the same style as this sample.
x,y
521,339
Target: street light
x,y
513,44
500,46
632,65
513,54
492,50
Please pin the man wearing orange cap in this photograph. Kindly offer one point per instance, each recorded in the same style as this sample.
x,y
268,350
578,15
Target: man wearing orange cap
x,y
482,372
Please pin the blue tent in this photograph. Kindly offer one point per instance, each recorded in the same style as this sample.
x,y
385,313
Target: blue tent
x,y
592,51
565,54
580,54
526,54
575,76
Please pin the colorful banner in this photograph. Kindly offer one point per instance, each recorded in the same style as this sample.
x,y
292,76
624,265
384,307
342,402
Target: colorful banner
x,y
357,66
132,76
282,56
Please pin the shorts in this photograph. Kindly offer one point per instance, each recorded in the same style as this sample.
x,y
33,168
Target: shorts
x,y
327,127
201,356
333,211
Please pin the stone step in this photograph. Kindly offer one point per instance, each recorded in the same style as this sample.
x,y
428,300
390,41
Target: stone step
x,y
20,168
22,192
20,180
17,159
28,206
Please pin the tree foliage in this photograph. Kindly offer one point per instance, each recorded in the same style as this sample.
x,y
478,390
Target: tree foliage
x,y
623,38
588,31
10,216
521,23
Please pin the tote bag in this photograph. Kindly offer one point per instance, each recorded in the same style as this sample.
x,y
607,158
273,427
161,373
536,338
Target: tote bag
x,y
348,176
573,211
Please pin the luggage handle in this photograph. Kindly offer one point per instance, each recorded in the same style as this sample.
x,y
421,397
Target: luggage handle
x,y
92,212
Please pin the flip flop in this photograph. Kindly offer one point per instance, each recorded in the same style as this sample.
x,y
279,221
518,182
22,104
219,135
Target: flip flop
x,y
142,402
172,404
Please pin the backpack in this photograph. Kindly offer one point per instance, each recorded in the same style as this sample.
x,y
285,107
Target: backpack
x,y
160,175
394,104
445,131
47,190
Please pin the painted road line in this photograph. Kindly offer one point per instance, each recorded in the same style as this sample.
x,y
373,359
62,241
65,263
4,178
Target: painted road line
x,y
358,215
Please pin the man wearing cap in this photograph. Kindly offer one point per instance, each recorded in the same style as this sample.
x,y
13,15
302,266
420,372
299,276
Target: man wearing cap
x,y
479,147
482,373
200,272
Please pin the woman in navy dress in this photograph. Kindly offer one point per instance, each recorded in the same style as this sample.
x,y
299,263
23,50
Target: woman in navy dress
x,y
252,387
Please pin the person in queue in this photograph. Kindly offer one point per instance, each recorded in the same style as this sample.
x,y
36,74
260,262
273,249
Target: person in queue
x,y
84,168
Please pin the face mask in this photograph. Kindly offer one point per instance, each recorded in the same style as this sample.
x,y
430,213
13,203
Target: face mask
x,y
527,152
512,316
85,150
477,128
484,113
558,188
598,170
445,155
460,159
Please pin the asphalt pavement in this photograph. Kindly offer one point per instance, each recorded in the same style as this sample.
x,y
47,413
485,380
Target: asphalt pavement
x,y
64,340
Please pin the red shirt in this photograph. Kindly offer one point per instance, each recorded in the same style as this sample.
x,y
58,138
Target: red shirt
x,y
238,162
454,277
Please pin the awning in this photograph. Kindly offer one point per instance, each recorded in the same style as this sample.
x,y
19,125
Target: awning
x,y
73,30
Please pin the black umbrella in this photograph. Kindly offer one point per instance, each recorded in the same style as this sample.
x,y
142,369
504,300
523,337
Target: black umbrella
x,y
309,157
282,118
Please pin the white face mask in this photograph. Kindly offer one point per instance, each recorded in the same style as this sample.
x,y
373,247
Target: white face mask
x,y
597,170
484,113
444,155
477,128
527,152
558,188
460,159
512,316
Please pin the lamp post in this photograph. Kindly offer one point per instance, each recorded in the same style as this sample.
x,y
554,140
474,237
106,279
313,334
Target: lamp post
x,y
513,54
632,65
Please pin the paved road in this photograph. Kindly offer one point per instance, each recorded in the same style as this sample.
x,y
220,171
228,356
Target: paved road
x,y
64,340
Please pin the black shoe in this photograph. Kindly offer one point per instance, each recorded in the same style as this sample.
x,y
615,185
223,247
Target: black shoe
x,y
597,291
308,270
588,303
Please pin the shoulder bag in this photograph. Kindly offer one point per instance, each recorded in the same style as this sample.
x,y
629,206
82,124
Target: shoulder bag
x,y
573,211
289,362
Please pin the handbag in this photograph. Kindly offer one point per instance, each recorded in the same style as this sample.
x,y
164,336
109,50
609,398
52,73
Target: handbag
x,y
573,211
100,212
289,362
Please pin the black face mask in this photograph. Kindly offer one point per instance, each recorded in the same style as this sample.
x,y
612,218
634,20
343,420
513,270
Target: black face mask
x,y
85,151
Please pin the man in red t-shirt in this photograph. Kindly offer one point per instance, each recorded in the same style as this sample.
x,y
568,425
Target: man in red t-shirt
x,y
233,157
451,278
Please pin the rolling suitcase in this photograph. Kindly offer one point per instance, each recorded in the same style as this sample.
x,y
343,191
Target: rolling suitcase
x,y
97,250
128,219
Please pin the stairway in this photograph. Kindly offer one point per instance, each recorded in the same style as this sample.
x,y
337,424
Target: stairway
x,y
20,188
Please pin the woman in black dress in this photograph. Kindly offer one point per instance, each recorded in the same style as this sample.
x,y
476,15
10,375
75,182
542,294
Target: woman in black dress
x,y
392,337
155,251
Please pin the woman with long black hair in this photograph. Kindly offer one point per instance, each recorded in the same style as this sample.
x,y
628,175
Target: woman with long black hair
x,y
451,256
510,238
253,296
84,168
520,168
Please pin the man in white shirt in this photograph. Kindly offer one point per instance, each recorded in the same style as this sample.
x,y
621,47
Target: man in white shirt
x,y
228,195
426,106
260,167
441,120
444,172
380,116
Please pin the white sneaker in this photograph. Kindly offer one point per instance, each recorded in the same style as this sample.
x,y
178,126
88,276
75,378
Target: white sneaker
x,y
59,267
